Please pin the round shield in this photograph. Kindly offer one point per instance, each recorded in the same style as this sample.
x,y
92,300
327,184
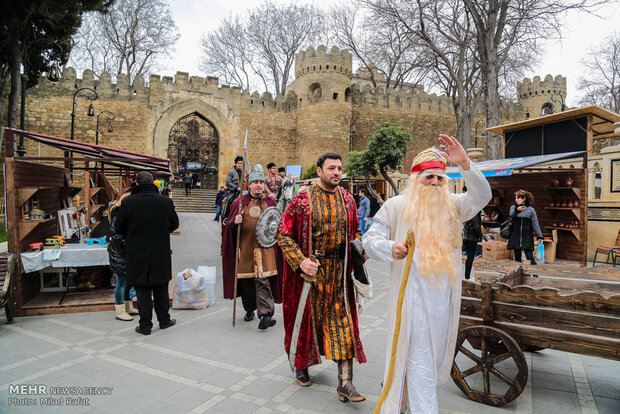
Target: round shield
x,y
267,227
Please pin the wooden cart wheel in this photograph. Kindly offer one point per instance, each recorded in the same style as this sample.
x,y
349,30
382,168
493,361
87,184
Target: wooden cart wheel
x,y
495,346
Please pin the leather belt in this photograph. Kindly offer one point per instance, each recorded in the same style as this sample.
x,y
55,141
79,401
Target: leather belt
x,y
331,254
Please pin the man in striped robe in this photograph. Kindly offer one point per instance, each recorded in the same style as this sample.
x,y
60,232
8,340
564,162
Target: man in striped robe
x,y
321,221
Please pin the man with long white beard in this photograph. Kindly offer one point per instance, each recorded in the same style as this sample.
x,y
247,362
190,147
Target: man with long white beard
x,y
431,305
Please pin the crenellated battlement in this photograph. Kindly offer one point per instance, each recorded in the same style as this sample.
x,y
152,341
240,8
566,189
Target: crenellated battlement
x,y
409,100
319,60
536,87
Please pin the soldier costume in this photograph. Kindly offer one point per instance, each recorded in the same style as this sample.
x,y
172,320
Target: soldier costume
x,y
258,280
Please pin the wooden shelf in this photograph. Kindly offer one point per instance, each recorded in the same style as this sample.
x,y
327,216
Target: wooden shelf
x,y
26,193
94,191
575,190
576,211
26,226
93,208
93,226
70,191
576,232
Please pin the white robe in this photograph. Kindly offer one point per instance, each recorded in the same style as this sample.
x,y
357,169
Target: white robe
x,y
428,332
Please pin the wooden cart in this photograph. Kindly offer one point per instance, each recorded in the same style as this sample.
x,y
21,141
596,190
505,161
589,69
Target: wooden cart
x,y
501,319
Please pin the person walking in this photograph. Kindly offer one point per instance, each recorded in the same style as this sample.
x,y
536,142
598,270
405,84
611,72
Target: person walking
x,y
363,210
472,234
315,233
146,220
218,202
187,181
123,304
524,225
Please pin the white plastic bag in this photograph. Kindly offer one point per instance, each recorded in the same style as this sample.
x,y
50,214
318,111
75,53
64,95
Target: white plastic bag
x,y
208,272
189,290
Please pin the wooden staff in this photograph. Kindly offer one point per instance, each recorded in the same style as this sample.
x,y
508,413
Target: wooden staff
x,y
237,249
410,243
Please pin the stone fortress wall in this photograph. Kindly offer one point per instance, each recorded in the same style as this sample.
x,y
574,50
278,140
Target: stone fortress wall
x,y
291,129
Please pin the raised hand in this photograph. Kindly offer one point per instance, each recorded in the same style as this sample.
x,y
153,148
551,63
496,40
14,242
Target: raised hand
x,y
455,152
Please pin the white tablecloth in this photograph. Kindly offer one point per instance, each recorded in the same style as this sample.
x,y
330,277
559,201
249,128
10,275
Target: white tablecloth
x,y
71,255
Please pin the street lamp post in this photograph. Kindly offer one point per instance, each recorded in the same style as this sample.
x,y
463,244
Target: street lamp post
x,y
480,123
110,116
554,101
91,112
52,76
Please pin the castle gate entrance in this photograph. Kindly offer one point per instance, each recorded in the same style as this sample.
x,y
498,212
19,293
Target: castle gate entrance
x,y
193,144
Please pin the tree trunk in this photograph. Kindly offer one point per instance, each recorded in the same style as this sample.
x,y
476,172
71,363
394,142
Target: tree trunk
x,y
372,192
492,101
464,129
15,85
389,180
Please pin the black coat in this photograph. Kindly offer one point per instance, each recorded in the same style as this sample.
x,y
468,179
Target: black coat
x,y
146,219
116,247
524,226
471,229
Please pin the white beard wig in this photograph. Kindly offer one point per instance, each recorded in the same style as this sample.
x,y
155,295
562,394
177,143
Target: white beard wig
x,y
432,215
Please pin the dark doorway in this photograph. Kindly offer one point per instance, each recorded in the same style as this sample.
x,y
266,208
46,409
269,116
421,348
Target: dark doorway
x,y
193,145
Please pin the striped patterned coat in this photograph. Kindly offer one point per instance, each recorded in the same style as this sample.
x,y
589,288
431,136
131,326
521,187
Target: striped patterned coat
x,y
329,326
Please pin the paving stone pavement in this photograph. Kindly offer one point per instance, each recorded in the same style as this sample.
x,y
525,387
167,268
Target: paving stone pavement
x,y
204,365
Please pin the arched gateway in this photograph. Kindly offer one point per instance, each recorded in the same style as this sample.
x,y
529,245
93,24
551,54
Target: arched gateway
x,y
193,144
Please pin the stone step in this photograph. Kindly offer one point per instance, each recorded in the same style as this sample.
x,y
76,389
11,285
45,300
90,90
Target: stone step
x,y
198,200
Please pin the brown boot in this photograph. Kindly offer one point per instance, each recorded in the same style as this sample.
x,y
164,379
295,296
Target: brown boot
x,y
302,377
346,390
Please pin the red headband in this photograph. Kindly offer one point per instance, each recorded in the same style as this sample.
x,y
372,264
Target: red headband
x,y
429,164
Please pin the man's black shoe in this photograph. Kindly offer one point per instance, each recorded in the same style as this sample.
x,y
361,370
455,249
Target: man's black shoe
x,y
248,316
266,322
143,331
168,324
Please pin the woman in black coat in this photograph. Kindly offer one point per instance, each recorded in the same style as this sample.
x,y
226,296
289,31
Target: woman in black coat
x,y
524,225
146,219
116,251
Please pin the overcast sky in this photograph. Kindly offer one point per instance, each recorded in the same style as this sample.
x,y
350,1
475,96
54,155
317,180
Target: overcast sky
x,y
194,17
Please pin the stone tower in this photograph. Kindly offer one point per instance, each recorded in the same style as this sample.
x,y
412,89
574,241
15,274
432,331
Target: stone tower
x,y
323,88
545,97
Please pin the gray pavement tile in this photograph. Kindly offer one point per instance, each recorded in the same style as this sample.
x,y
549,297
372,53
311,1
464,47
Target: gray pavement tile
x,y
127,402
607,374
103,343
550,354
151,358
184,400
100,370
231,405
551,367
553,381
605,388
546,400
607,405
264,388
161,407
310,399
601,362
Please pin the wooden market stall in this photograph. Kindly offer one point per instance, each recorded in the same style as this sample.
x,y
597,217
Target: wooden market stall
x,y
560,199
37,188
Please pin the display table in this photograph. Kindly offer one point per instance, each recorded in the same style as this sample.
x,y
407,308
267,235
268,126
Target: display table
x,y
71,255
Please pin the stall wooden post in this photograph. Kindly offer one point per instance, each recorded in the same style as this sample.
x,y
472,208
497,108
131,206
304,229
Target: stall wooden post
x,y
87,193
11,213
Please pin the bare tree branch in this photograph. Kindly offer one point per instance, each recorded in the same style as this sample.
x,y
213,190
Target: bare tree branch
x,y
602,80
125,40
